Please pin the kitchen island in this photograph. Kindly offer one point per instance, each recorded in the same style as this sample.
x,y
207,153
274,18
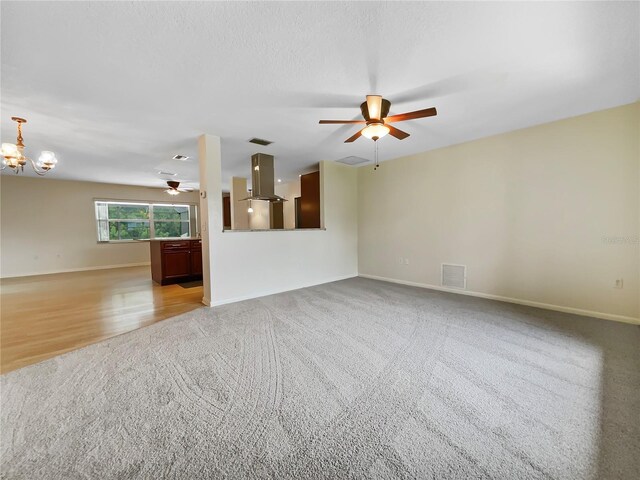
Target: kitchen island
x,y
175,260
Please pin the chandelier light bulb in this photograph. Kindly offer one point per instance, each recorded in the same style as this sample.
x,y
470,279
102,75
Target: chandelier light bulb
x,y
47,160
250,210
9,150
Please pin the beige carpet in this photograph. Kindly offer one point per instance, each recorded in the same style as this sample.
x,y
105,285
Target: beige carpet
x,y
353,379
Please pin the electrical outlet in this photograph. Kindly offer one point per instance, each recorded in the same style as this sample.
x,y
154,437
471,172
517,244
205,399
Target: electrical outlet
x,y
619,283
406,261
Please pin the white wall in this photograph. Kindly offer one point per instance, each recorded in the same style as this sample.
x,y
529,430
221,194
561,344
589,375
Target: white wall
x,y
211,221
49,225
529,212
251,264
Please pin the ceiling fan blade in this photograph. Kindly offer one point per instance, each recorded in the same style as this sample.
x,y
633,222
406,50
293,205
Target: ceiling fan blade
x,y
354,137
396,132
374,106
427,112
328,122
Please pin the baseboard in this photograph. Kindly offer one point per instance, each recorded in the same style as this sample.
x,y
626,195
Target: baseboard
x,y
83,269
546,306
206,301
275,291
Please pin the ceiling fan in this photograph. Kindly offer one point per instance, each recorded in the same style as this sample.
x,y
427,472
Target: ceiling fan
x,y
173,188
375,111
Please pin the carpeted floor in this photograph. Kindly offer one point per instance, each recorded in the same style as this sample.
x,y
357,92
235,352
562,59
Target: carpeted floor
x,y
353,379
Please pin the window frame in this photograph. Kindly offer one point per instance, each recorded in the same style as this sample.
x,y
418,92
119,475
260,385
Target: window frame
x,y
192,218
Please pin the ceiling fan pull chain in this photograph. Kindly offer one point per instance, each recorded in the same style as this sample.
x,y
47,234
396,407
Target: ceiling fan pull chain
x,y
375,142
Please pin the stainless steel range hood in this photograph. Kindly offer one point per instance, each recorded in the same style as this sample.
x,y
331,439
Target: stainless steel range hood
x,y
262,179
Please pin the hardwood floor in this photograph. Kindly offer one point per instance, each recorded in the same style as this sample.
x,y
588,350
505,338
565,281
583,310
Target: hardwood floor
x,y
46,315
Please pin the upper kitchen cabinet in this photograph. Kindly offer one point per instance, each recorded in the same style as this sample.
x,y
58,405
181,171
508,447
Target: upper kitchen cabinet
x,y
309,210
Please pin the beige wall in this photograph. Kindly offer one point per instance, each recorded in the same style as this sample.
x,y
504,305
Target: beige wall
x,y
548,214
49,225
239,215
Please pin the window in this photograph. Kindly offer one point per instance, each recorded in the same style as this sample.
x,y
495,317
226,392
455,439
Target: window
x,y
127,221
171,221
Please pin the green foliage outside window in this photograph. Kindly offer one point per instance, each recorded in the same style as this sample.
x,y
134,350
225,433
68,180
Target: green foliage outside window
x,y
171,229
120,221
170,221
120,211
170,212
128,230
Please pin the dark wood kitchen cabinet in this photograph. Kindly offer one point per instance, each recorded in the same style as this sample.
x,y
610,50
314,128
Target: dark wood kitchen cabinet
x,y
196,259
174,261
309,213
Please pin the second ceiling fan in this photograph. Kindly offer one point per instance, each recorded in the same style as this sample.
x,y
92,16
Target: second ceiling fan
x,y
375,111
173,188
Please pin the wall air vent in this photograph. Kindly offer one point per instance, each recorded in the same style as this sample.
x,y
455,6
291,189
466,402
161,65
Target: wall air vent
x,y
180,157
260,141
454,276
168,174
352,160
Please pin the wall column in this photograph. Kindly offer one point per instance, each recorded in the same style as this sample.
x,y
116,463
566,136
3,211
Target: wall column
x,y
210,160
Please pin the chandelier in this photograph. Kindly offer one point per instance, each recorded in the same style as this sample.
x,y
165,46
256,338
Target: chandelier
x,y
13,155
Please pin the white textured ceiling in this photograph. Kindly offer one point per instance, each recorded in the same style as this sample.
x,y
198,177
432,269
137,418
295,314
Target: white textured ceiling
x,y
117,89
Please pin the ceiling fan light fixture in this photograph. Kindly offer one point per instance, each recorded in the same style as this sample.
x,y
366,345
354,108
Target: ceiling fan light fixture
x,y
374,107
375,112
173,187
375,131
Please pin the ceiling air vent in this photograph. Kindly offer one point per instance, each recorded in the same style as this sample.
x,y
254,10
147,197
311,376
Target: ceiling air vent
x,y
454,276
352,160
260,141
180,157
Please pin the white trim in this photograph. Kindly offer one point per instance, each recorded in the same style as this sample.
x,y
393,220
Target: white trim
x,y
82,269
546,306
206,301
277,290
